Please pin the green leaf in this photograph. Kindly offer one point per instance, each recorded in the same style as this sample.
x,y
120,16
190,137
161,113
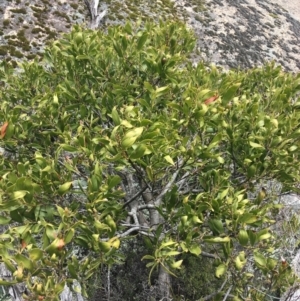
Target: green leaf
x,y
252,236
115,116
128,28
161,91
243,237
176,264
35,254
230,92
239,264
81,57
72,271
6,283
259,259
131,136
64,187
172,253
118,49
59,287
195,249
138,152
216,226
141,41
169,160
247,218
69,236
18,194
148,257
4,220
224,193
69,148
10,266
104,246
211,239
113,181
255,145
23,262
220,270
263,234
271,263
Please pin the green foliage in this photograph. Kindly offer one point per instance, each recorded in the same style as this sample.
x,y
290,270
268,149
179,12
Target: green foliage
x,y
105,109
193,279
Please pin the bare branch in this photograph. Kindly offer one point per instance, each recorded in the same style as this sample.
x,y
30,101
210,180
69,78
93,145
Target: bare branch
x,y
209,255
148,206
93,10
208,297
133,214
182,180
227,293
133,229
141,227
134,197
169,185
89,7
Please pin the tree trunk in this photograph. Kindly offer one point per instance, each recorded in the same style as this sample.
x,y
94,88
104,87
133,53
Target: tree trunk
x,y
164,284
96,17
164,279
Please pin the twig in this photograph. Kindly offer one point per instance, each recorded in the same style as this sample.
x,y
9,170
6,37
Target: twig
x,y
227,293
214,294
133,229
147,206
134,197
208,255
168,186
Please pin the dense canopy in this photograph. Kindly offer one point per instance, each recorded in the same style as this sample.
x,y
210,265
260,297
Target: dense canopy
x,y
116,136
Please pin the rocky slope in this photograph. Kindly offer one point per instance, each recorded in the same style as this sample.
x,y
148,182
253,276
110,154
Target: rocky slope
x,y
245,33
231,33
27,25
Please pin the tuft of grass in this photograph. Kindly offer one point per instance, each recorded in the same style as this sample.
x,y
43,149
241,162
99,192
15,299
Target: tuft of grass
x,y
30,56
62,15
36,30
273,15
18,54
3,50
6,22
19,11
74,5
37,9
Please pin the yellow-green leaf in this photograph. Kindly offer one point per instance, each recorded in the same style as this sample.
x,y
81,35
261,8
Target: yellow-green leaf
x,y
19,194
64,187
131,136
35,254
176,264
210,239
221,269
24,262
169,160
255,145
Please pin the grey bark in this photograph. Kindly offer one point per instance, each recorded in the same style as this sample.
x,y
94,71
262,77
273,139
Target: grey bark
x,y
164,284
15,291
67,294
96,17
